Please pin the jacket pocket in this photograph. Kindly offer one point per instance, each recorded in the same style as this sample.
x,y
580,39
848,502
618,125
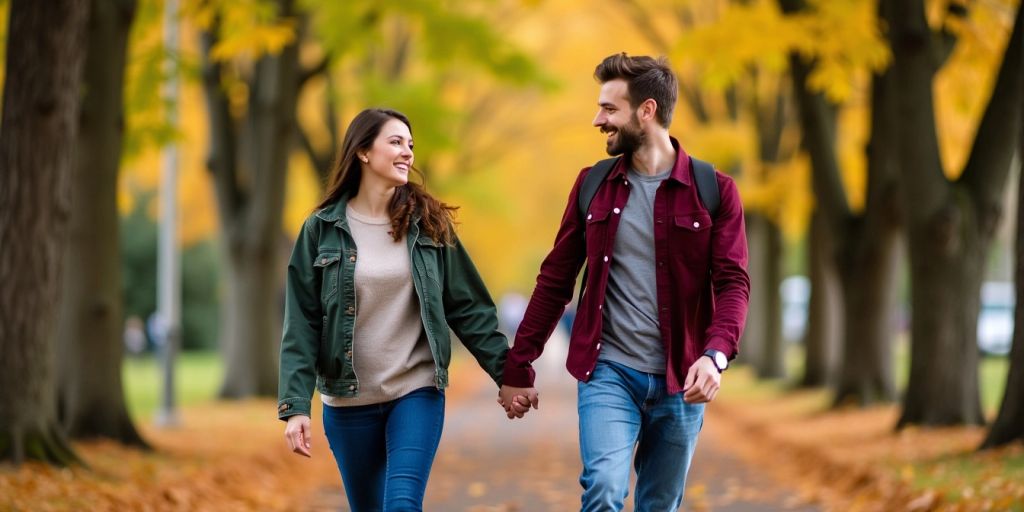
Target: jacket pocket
x,y
429,252
690,238
328,264
597,231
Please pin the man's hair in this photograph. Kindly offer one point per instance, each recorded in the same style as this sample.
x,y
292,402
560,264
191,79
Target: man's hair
x,y
647,78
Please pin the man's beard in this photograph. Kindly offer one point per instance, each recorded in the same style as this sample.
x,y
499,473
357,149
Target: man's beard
x,y
628,139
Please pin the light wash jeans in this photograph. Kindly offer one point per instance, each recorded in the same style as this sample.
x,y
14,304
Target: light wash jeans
x,y
384,451
621,409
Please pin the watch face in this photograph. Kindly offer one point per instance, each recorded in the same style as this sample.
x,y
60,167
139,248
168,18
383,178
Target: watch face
x,y
720,361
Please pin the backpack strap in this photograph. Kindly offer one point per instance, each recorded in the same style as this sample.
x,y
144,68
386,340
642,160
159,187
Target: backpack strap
x,y
707,185
591,182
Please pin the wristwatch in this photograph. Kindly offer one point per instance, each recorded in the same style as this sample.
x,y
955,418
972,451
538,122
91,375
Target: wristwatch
x,y
718,357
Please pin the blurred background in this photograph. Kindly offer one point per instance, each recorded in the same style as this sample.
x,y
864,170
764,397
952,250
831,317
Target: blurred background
x,y
876,145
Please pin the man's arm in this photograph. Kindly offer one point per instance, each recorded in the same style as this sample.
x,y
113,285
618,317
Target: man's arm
x,y
553,291
729,278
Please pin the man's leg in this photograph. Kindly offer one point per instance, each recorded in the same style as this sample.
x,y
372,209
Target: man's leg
x,y
609,424
668,437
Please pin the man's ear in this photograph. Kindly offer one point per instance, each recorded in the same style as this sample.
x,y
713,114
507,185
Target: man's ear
x,y
648,109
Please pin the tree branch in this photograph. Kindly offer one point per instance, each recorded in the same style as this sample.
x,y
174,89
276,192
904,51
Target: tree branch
x,y
221,160
945,39
320,67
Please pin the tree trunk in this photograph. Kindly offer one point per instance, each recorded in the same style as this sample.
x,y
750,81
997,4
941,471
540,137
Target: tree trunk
x,y
869,297
1009,424
863,245
950,225
868,260
762,342
40,117
824,308
90,328
752,343
251,211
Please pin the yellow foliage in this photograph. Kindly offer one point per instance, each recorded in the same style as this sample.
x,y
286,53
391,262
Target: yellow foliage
x,y
247,28
781,192
963,86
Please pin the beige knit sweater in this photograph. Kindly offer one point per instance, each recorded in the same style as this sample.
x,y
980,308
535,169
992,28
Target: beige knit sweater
x,y
390,353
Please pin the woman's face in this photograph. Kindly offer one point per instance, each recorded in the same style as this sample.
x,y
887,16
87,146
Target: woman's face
x,y
390,157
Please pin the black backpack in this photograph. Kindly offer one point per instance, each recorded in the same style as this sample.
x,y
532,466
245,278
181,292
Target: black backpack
x,y
703,174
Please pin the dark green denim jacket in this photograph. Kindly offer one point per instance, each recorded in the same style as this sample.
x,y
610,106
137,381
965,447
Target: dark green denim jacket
x,y
320,310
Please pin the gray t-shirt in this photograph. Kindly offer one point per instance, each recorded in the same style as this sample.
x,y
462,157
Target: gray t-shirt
x,y
630,334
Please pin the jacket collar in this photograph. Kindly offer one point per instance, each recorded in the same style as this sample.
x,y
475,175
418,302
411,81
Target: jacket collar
x,y
335,212
680,170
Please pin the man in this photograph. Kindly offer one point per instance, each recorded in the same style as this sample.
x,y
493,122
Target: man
x,y
664,304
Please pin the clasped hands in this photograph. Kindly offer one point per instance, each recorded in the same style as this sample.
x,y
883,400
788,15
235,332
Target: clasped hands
x,y
517,401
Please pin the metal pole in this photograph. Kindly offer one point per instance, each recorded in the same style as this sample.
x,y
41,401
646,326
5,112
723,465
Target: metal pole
x,y
168,258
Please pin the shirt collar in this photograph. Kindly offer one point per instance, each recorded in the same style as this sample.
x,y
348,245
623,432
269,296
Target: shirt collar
x,y
680,170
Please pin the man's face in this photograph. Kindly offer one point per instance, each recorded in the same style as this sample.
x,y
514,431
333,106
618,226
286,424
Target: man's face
x,y
617,119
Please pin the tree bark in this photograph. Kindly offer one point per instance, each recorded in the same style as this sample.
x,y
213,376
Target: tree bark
x,y
251,210
951,225
90,328
824,308
40,118
762,345
868,259
1009,424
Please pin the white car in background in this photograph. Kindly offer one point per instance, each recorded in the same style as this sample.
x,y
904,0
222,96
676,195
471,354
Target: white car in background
x,y
995,318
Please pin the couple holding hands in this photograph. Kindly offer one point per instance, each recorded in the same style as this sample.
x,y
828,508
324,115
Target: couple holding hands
x,y
378,279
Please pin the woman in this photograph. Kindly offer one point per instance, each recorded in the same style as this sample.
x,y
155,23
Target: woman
x,y
375,281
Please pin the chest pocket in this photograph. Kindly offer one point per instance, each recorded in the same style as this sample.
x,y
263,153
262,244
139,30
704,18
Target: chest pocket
x,y
691,237
328,264
429,258
597,231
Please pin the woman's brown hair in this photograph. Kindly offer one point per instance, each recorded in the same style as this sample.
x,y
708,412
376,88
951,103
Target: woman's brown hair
x,y
436,218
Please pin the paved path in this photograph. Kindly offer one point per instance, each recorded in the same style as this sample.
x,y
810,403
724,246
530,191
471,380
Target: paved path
x,y
488,463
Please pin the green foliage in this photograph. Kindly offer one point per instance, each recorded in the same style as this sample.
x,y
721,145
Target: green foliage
x,y
200,270
197,375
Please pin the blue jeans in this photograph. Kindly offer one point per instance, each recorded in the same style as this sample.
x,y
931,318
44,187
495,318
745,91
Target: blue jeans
x,y
384,451
621,409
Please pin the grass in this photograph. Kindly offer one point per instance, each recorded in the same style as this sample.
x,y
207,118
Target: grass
x,y
197,378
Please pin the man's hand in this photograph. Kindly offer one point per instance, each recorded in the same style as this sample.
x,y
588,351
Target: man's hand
x,y
298,434
702,381
517,401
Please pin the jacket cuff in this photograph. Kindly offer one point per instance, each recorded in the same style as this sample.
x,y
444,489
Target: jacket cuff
x,y
518,377
720,344
293,406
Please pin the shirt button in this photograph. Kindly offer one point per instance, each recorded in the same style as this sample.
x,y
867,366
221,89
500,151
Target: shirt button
x,y
352,258
323,261
352,388
589,216
617,211
599,346
588,373
600,306
606,259
350,310
696,224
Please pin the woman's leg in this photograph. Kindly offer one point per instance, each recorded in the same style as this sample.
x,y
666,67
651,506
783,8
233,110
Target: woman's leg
x,y
413,432
356,437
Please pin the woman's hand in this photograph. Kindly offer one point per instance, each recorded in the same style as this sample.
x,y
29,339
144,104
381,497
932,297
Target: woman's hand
x,y
298,435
